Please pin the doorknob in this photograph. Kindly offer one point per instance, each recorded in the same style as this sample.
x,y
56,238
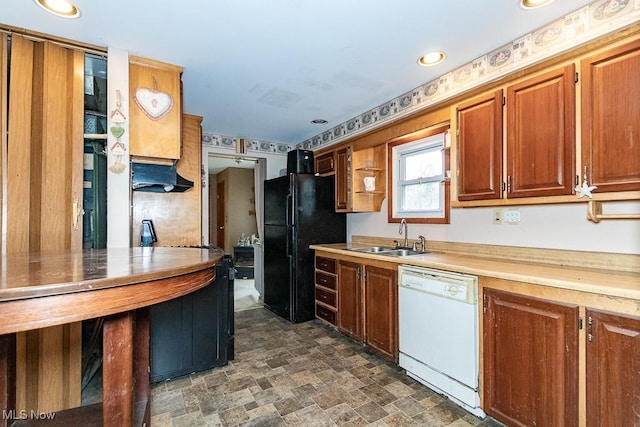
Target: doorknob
x,y
221,227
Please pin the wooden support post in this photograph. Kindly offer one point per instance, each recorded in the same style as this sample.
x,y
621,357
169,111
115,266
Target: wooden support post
x,y
117,370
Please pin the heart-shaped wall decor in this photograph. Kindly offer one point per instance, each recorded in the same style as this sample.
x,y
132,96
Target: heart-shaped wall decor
x,y
155,104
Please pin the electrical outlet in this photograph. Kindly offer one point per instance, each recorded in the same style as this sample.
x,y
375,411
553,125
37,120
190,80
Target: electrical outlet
x,y
497,216
512,216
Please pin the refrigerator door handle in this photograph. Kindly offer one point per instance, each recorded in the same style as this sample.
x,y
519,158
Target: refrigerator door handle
x,y
288,201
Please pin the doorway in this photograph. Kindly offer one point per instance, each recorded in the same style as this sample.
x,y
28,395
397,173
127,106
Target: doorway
x,y
233,222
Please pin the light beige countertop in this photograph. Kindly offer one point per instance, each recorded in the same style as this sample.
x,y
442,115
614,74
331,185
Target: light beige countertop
x,y
610,282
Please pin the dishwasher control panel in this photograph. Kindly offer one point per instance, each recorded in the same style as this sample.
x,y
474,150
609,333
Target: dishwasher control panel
x,y
457,286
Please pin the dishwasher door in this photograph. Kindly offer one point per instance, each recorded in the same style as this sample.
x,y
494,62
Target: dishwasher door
x,y
438,324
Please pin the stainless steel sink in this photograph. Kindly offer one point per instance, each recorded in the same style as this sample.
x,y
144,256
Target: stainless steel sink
x,y
388,251
402,252
373,249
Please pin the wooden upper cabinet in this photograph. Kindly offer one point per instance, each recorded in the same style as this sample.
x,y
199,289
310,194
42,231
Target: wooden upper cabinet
x,y
611,118
541,135
613,369
530,360
155,100
325,163
343,172
480,148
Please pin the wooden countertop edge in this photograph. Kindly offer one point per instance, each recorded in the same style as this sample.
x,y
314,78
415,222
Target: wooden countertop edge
x,y
602,282
35,313
44,290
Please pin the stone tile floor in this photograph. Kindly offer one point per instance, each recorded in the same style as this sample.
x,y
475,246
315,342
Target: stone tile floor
x,y
304,374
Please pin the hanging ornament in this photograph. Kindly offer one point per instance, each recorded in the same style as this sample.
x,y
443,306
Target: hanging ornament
x,y
154,103
585,189
118,149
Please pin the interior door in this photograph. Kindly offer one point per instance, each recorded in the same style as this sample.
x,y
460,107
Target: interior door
x,y
220,207
44,202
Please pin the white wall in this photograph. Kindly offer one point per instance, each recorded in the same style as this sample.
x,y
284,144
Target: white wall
x,y
118,184
546,226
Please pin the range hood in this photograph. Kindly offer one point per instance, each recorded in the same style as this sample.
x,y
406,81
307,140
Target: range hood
x,y
158,178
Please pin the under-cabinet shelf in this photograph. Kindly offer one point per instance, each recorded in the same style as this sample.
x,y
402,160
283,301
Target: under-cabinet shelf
x,y
369,170
95,136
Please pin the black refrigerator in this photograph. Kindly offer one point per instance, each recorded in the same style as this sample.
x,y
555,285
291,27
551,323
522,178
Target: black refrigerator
x,y
299,211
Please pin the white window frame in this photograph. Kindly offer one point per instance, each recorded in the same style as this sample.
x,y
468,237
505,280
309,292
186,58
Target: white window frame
x,y
399,154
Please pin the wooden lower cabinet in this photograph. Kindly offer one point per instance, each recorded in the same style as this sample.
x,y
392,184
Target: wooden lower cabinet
x,y
381,311
350,299
326,290
530,360
368,306
613,369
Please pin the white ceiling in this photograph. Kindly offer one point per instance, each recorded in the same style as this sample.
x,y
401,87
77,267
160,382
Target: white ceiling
x,y
265,68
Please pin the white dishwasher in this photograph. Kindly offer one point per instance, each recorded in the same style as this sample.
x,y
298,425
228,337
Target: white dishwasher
x,y
438,323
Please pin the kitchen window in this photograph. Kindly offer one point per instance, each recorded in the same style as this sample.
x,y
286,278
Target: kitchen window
x,y
419,184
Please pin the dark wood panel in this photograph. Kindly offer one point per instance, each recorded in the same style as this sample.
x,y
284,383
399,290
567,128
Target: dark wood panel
x,y
530,360
613,369
611,118
480,148
7,375
541,135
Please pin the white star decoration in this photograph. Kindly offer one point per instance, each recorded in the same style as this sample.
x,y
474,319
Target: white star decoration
x,y
585,190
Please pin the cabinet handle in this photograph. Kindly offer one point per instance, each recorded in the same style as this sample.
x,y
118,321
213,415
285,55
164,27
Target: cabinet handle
x,y
508,183
77,211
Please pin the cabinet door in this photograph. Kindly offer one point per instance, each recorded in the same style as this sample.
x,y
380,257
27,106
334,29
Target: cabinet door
x,y
381,311
342,177
611,118
350,299
325,163
613,369
530,360
480,148
155,113
541,135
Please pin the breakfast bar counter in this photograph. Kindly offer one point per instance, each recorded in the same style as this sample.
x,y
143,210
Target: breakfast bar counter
x,y
39,290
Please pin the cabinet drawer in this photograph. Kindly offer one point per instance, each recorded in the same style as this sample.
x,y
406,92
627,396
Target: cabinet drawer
x,y
326,314
326,280
326,264
326,297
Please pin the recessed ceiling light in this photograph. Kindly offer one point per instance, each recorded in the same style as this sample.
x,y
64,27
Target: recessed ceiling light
x,y
62,8
533,4
432,58
319,121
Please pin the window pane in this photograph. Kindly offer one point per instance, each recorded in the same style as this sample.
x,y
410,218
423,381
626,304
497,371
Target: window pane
x,y
423,165
421,197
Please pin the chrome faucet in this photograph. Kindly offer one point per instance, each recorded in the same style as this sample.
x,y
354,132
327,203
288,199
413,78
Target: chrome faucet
x,y
403,223
423,243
